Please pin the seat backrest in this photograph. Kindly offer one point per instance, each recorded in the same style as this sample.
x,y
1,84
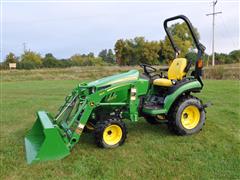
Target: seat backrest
x,y
176,69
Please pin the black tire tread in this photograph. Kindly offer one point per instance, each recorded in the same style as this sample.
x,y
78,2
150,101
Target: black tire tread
x,y
101,125
173,111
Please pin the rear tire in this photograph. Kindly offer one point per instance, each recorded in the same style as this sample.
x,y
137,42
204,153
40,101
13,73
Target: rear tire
x,y
187,116
110,133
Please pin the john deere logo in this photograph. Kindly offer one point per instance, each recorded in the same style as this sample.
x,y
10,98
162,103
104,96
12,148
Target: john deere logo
x,y
111,97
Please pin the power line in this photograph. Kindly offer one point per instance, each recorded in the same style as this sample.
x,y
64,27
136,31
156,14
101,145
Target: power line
x,y
213,24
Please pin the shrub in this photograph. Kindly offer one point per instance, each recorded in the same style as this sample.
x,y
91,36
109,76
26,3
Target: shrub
x,y
27,65
49,61
32,56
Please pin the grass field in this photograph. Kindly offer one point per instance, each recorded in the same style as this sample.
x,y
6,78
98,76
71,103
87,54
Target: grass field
x,y
150,152
227,71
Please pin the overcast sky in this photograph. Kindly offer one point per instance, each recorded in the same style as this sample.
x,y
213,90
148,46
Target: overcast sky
x,y
68,28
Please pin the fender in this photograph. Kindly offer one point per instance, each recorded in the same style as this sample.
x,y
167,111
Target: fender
x,y
189,87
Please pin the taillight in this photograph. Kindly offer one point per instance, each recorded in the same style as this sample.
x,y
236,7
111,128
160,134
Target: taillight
x,y
200,63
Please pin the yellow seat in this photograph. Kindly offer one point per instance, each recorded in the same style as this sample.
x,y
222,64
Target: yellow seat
x,y
162,82
175,73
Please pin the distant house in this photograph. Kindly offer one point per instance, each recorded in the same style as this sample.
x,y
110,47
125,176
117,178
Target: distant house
x,y
12,65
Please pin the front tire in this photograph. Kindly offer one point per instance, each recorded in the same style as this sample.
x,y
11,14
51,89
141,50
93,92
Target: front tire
x,y
110,133
187,116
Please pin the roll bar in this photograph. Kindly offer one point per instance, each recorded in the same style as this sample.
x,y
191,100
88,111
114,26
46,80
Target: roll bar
x,y
199,46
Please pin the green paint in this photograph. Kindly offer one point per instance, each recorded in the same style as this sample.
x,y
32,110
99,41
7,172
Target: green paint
x,y
169,100
154,111
115,79
43,141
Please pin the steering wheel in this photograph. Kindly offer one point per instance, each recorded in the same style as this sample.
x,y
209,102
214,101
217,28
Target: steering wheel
x,y
148,69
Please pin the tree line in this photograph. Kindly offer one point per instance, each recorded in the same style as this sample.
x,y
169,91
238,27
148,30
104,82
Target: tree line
x,y
126,52
33,60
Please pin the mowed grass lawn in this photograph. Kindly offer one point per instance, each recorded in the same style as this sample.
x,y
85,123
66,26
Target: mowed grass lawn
x,y
150,152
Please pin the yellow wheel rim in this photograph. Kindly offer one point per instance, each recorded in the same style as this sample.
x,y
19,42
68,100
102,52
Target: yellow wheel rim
x,y
190,117
112,134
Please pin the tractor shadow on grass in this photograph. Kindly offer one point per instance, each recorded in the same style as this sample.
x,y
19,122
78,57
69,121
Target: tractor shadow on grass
x,y
139,129
138,134
145,128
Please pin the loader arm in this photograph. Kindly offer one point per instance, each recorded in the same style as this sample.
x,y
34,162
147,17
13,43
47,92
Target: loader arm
x,y
95,100
68,124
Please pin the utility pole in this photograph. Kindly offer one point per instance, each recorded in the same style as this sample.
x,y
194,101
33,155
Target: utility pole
x,y
213,24
24,47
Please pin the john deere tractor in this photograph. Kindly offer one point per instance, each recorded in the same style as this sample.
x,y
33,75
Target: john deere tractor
x,y
101,106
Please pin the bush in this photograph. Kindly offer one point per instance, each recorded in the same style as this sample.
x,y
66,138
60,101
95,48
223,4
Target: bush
x,y
32,56
64,63
27,65
221,72
49,61
82,60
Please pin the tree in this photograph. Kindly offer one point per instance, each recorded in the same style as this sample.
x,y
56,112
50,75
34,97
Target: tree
x,y
137,50
77,60
91,54
96,61
50,61
86,60
110,57
181,31
32,57
167,50
121,52
103,54
222,58
30,60
63,63
11,58
150,52
191,56
107,56
235,56
182,38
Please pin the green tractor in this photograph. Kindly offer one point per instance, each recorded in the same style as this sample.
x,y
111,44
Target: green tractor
x,y
100,106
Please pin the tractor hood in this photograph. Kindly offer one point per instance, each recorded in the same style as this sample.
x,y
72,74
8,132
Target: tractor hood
x,y
132,75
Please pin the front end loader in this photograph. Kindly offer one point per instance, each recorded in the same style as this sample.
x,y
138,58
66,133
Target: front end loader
x,y
102,105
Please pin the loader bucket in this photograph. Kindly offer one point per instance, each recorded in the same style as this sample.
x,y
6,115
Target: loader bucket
x,y
43,141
